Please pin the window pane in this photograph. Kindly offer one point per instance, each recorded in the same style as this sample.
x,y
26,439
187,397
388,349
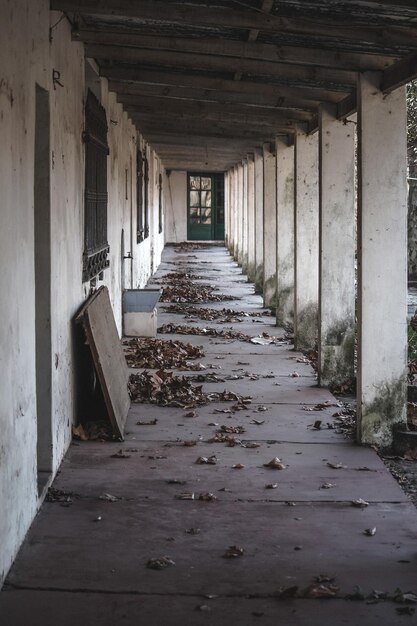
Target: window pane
x,y
206,216
194,182
206,198
205,183
194,211
194,198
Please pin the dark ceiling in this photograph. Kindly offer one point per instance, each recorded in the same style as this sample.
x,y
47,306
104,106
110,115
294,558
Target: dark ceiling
x,y
208,82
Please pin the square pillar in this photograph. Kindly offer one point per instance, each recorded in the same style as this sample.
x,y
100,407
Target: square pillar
x,y
259,221
251,219
226,209
337,249
270,228
306,241
238,226
244,260
285,232
382,261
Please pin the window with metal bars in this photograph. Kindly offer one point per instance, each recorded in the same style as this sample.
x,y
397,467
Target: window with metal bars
x,y
96,247
139,197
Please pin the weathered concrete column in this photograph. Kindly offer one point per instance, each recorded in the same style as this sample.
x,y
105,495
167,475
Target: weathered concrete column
x,y
259,221
232,210
306,241
241,213
337,249
382,260
237,214
285,232
226,209
251,271
244,260
270,228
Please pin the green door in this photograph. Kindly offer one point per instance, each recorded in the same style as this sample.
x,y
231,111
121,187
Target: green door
x,y
205,217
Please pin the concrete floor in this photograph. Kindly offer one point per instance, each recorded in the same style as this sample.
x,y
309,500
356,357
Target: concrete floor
x,y
75,569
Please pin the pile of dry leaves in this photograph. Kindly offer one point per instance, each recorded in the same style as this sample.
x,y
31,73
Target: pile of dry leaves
x,y
184,329
189,292
187,246
158,353
167,389
228,316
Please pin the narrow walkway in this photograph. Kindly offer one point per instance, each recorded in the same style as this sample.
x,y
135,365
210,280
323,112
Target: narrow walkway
x,y
297,527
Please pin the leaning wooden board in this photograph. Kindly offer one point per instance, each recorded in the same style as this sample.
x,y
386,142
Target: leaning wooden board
x,y
97,318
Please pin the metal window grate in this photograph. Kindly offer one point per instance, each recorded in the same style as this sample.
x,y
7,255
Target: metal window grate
x,y
96,247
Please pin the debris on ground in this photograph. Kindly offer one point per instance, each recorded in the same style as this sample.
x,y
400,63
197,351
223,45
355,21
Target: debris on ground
x,y
165,389
152,422
187,246
345,421
161,563
66,498
224,316
120,455
275,463
336,465
192,293
370,532
108,497
94,430
360,503
185,329
233,552
207,460
159,353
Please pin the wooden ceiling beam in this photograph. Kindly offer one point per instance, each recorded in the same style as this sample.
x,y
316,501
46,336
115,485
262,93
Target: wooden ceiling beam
x,y
137,75
351,61
224,124
189,94
399,74
225,131
159,11
204,110
297,74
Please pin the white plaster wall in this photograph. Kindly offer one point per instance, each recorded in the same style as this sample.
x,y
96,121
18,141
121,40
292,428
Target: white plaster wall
x,y
28,57
176,207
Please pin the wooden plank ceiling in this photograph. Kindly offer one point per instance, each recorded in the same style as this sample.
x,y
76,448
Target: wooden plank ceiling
x,y
208,82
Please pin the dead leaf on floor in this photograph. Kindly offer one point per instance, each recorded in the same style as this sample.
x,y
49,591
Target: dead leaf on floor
x,y
250,444
261,409
327,486
120,455
285,593
405,610
226,411
232,429
370,532
62,497
207,497
148,423
204,608
193,531
407,597
189,443
321,590
108,497
275,463
238,466
360,503
257,422
204,460
233,552
336,465
78,433
294,375
176,481
161,563
191,414
185,496
411,455
165,389
271,486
